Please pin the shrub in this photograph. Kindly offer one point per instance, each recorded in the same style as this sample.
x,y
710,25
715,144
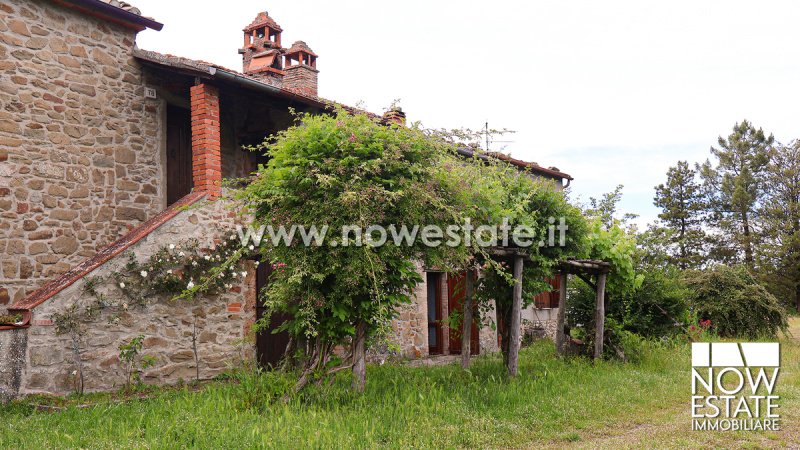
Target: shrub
x,y
735,303
656,308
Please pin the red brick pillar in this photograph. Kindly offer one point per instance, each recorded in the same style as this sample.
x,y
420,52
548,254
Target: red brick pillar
x,y
206,158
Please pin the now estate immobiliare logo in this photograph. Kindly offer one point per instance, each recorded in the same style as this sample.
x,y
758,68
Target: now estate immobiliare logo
x,y
733,386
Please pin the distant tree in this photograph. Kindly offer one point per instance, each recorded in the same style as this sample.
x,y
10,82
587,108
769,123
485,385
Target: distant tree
x,y
653,247
735,186
780,212
605,208
683,211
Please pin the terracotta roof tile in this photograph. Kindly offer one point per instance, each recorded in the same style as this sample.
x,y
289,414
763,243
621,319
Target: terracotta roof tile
x,y
263,19
124,6
300,46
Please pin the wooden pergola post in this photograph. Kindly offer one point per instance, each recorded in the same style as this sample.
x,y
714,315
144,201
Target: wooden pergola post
x,y
466,327
584,269
599,316
561,338
516,317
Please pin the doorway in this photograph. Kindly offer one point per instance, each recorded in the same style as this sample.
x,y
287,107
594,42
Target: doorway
x,y
179,153
270,346
435,326
455,301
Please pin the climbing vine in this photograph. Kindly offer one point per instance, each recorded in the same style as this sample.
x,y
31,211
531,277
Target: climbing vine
x,y
178,271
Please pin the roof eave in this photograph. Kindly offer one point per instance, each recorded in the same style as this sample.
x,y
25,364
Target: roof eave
x,y
112,13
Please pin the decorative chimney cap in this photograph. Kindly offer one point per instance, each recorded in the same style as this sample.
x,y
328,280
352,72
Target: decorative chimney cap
x,y
394,115
263,20
298,47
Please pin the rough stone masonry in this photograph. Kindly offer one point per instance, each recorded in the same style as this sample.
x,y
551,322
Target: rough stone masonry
x,y
79,163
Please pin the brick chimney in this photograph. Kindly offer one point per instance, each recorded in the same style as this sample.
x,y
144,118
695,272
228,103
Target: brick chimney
x,y
262,54
394,115
301,69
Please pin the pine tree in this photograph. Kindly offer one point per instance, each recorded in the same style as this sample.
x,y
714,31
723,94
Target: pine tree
x,y
781,218
735,187
683,205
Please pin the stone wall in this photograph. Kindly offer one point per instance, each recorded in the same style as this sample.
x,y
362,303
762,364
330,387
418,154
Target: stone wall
x,y
222,322
411,325
539,322
79,144
13,344
410,328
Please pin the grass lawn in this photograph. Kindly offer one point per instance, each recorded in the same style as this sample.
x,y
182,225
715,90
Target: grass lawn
x,y
554,402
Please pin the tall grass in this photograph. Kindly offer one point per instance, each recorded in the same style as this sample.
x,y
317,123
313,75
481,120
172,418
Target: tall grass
x,y
402,407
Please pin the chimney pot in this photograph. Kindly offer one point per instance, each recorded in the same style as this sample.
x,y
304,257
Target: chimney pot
x,y
394,115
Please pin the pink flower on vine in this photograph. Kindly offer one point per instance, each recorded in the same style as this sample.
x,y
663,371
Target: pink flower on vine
x,y
352,137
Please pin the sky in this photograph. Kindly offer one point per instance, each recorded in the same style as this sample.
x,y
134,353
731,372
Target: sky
x,y
611,92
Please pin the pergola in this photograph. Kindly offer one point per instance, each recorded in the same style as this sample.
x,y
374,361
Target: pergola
x,y
583,269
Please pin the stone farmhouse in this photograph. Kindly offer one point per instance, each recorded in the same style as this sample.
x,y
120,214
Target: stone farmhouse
x,y
108,150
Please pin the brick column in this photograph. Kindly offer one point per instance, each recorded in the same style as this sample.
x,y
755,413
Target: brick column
x,y
206,157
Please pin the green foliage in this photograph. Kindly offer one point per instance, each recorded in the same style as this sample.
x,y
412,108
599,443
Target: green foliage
x,y
10,318
182,270
779,257
134,363
536,204
655,309
404,407
683,211
606,207
735,303
735,186
339,171
618,247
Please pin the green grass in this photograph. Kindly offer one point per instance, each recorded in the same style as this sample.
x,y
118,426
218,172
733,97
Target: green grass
x,y
553,401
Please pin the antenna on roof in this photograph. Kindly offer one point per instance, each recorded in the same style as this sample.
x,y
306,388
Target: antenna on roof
x,y
487,133
486,130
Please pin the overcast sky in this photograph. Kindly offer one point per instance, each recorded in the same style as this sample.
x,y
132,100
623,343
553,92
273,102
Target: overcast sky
x,y
610,92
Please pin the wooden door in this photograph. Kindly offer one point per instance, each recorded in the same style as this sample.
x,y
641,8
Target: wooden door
x,y
179,153
550,298
435,326
270,346
455,301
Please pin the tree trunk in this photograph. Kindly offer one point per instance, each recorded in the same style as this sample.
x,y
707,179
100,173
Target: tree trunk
x,y
682,238
360,357
76,354
308,369
600,316
466,326
561,338
797,296
516,316
503,317
748,246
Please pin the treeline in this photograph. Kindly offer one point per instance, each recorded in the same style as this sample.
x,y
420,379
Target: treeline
x,y
739,207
